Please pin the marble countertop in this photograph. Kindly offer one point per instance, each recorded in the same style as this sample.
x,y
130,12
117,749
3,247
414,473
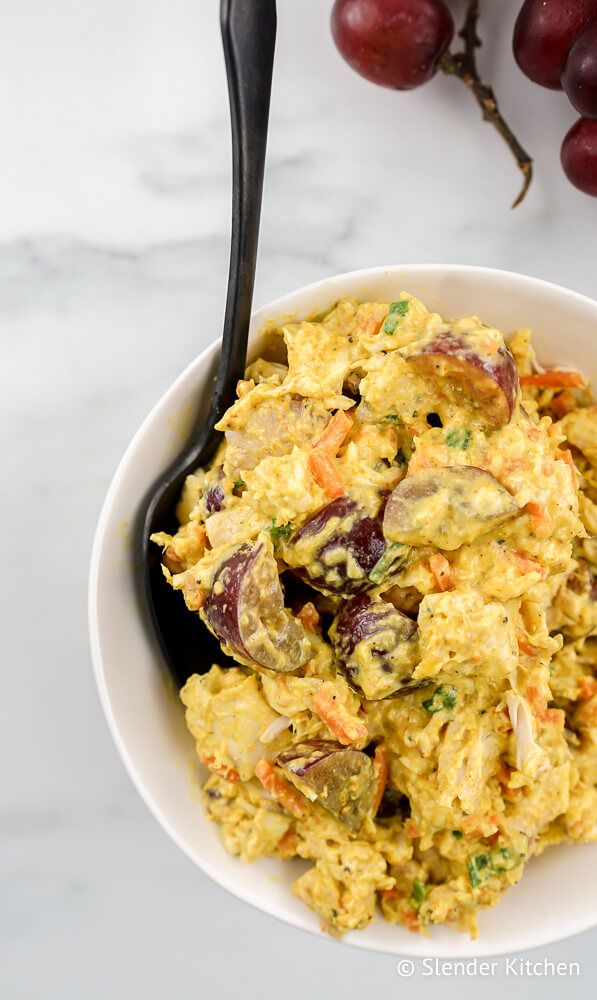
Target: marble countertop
x,y
115,212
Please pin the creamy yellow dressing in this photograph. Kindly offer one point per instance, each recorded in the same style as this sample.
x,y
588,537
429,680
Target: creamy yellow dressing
x,y
448,633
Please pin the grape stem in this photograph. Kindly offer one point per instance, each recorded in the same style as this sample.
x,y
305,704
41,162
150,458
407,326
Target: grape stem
x,y
464,65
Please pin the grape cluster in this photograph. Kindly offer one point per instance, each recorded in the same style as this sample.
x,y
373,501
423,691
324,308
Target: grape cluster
x,y
555,45
403,43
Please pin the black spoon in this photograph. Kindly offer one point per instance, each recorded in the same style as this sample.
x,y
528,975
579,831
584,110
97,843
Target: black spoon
x,y
248,36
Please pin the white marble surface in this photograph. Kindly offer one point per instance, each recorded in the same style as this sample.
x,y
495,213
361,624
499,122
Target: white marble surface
x,y
115,209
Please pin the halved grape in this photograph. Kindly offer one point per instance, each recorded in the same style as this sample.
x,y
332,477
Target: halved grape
x,y
338,548
245,610
340,779
376,645
446,507
486,382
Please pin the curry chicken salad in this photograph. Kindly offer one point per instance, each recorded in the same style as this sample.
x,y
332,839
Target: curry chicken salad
x,y
395,544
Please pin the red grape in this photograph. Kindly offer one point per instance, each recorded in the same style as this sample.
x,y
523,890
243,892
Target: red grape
x,y
395,43
579,155
447,507
453,362
579,76
245,611
340,778
543,33
337,548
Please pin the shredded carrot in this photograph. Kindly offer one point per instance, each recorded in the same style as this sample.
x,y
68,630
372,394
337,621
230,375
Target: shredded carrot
x,y
566,456
335,433
325,473
288,843
528,565
555,716
555,379
539,705
503,776
228,773
563,403
381,766
537,702
290,799
311,669
411,920
471,825
345,727
325,449
541,522
309,616
369,325
412,830
526,648
193,544
391,894
587,687
442,571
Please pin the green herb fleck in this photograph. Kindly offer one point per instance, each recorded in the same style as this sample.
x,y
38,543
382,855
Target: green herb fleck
x,y
399,308
279,532
504,859
385,562
443,699
239,484
418,893
390,418
395,312
501,541
477,869
459,438
458,834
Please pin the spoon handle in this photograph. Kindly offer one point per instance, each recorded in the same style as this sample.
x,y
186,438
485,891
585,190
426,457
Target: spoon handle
x,y
248,36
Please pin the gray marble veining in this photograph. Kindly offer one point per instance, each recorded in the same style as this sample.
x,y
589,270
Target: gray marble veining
x,y
113,262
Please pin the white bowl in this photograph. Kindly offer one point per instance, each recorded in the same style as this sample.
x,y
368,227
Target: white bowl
x,y
557,896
